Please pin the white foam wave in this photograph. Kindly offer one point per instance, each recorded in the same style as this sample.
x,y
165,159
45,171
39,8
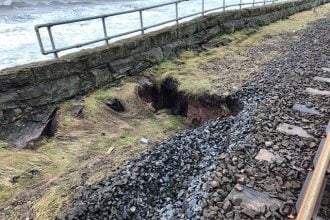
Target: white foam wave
x,y
27,3
18,41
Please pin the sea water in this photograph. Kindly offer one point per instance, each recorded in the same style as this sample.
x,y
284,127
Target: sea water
x,y
18,41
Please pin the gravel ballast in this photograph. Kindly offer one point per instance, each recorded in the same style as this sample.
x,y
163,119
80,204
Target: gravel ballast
x,y
190,175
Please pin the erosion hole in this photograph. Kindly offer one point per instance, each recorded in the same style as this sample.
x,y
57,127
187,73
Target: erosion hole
x,y
196,108
51,124
116,105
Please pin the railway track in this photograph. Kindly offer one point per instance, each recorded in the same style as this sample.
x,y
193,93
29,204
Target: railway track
x,y
317,181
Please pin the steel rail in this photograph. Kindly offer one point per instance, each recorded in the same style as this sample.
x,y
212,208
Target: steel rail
x,y
142,28
313,191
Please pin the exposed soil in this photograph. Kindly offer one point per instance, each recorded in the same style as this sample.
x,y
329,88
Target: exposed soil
x,y
197,109
190,175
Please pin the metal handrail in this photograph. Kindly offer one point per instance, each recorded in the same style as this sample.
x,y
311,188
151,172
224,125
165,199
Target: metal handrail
x,y
142,28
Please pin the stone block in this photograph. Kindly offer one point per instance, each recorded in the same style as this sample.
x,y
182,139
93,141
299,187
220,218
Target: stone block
x,y
228,27
77,65
51,92
115,51
206,22
139,43
51,70
154,56
102,75
9,100
163,36
239,24
254,11
174,48
231,15
94,59
16,78
122,66
187,29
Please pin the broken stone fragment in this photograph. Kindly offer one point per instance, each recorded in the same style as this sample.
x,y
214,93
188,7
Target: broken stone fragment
x,y
133,209
144,141
17,111
214,184
313,91
268,143
251,201
326,69
249,212
274,207
14,179
293,130
322,79
266,155
44,122
77,111
239,187
227,206
305,109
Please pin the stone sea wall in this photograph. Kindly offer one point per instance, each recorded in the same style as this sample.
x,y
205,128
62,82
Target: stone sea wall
x,y
36,85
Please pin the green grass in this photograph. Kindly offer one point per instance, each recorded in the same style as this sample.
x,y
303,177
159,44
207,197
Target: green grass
x,y
195,71
61,159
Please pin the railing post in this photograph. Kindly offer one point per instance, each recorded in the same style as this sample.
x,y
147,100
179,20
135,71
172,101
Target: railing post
x,y
224,5
203,7
253,3
264,2
105,30
240,4
176,13
52,40
141,22
42,49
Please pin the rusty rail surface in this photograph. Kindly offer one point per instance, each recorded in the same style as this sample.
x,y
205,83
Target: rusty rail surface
x,y
311,195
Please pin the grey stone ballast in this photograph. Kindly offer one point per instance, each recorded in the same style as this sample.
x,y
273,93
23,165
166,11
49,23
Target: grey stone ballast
x,y
39,84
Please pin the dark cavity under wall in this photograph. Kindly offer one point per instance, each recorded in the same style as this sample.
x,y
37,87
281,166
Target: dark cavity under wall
x,y
198,108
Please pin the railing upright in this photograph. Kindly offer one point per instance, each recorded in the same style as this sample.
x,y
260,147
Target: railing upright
x,y
52,40
141,21
176,13
105,30
203,7
40,41
142,28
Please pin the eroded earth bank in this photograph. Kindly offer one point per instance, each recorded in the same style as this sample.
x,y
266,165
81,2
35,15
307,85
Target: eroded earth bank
x,y
225,131
190,175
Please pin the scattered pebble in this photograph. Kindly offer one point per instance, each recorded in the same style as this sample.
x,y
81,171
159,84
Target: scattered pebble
x,y
144,141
